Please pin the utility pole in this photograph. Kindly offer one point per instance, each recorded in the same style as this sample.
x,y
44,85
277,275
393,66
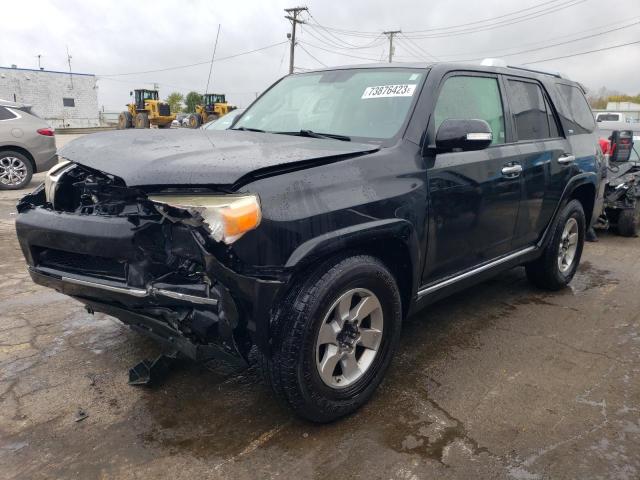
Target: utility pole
x,y
390,34
293,16
39,57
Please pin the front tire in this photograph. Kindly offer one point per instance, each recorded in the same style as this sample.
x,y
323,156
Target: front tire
x,y
629,221
561,257
333,338
142,120
195,120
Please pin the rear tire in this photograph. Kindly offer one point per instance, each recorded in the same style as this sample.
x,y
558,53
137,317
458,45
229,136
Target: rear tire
x,y
322,370
16,170
125,120
561,257
142,120
629,221
195,120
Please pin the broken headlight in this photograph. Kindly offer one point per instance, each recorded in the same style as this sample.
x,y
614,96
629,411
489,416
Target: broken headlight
x,y
226,217
52,177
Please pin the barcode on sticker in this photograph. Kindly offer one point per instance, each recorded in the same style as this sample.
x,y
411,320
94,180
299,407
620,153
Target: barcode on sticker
x,y
389,91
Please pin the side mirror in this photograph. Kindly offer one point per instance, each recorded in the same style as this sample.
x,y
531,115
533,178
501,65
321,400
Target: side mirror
x,y
463,135
131,94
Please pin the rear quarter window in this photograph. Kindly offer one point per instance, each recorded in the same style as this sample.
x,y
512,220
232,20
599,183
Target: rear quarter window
x,y
6,114
575,110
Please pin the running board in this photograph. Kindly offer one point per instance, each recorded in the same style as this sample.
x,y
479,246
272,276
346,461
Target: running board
x,y
470,273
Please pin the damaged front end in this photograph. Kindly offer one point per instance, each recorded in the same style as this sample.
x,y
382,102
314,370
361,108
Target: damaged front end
x,y
160,263
622,193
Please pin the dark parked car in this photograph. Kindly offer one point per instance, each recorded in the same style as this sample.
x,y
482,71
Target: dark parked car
x,y
341,201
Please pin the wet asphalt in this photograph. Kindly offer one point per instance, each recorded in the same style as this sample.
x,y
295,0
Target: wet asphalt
x,y
499,381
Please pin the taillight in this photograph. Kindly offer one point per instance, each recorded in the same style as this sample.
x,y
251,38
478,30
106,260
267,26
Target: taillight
x,y
47,132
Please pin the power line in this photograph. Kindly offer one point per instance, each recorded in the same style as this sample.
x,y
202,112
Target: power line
x,y
582,53
339,53
557,44
317,24
486,20
328,41
307,52
493,52
500,24
179,67
360,33
417,48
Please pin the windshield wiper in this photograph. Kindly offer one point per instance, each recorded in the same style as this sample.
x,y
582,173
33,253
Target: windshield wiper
x,y
312,134
246,129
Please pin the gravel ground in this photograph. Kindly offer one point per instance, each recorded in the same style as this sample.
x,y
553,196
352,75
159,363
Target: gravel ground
x,y
500,381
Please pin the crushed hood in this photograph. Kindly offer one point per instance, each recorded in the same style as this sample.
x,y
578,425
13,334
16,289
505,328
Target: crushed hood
x,y
200,157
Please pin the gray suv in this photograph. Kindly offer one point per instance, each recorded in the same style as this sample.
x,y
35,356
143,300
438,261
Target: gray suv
x,y
27,145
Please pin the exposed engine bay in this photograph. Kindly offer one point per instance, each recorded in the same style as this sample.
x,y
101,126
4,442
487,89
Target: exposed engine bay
x,y
154,266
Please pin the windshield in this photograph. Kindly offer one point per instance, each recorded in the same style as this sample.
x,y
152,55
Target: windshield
x,y
223,122
364,103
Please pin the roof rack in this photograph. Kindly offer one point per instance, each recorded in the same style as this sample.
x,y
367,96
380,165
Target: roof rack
x,y
544,72
498,62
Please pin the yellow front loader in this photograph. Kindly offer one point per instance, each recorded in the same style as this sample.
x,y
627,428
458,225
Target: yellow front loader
x,y
214,106
146,110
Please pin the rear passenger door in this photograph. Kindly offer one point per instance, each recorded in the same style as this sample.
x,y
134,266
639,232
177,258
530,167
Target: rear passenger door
x,y
474,195
545,156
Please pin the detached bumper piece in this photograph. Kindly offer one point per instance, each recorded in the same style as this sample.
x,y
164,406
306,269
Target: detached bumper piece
x,y
151,372
173,319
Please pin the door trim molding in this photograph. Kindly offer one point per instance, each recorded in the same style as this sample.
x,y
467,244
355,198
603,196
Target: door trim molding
x,y
475,271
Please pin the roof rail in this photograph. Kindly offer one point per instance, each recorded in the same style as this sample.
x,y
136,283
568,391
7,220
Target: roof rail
x,y
544,72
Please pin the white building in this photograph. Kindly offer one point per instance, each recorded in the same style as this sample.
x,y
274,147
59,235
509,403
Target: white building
x,y
64,100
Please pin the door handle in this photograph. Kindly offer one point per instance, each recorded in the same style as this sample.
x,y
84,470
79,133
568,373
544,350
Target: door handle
x,y
512,170
566,158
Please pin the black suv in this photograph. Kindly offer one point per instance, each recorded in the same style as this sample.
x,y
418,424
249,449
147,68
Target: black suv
x,y
340,202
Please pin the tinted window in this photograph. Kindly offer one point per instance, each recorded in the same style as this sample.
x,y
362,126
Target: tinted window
x,y
68,102
528,110
6,114
472,98
575,110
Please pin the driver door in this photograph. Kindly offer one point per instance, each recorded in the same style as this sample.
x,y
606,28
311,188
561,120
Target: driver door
x,y
474,195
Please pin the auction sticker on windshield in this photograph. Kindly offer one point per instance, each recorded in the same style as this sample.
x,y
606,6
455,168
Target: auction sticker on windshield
x,y
383,91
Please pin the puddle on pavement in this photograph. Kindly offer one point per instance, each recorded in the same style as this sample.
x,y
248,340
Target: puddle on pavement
x,y
588,277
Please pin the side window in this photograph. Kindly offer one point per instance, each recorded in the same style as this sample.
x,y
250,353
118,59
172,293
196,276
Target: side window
x,y
68,102
6,114
529,110
464,97
575,110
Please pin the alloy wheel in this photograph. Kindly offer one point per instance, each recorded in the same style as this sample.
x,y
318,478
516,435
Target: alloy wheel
x,y
13,171
568,245
349,338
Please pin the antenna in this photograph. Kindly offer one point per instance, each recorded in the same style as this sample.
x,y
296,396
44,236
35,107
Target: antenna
x,y
69,62
213,55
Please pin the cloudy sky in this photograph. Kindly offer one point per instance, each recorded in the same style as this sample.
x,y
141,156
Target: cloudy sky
x,y
114,38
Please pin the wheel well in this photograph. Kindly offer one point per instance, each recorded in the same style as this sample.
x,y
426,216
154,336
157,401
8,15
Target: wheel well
x,y
392,252
11,148
586,195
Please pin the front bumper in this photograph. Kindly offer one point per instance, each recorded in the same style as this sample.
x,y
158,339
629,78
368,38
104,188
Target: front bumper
x,y
217,319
